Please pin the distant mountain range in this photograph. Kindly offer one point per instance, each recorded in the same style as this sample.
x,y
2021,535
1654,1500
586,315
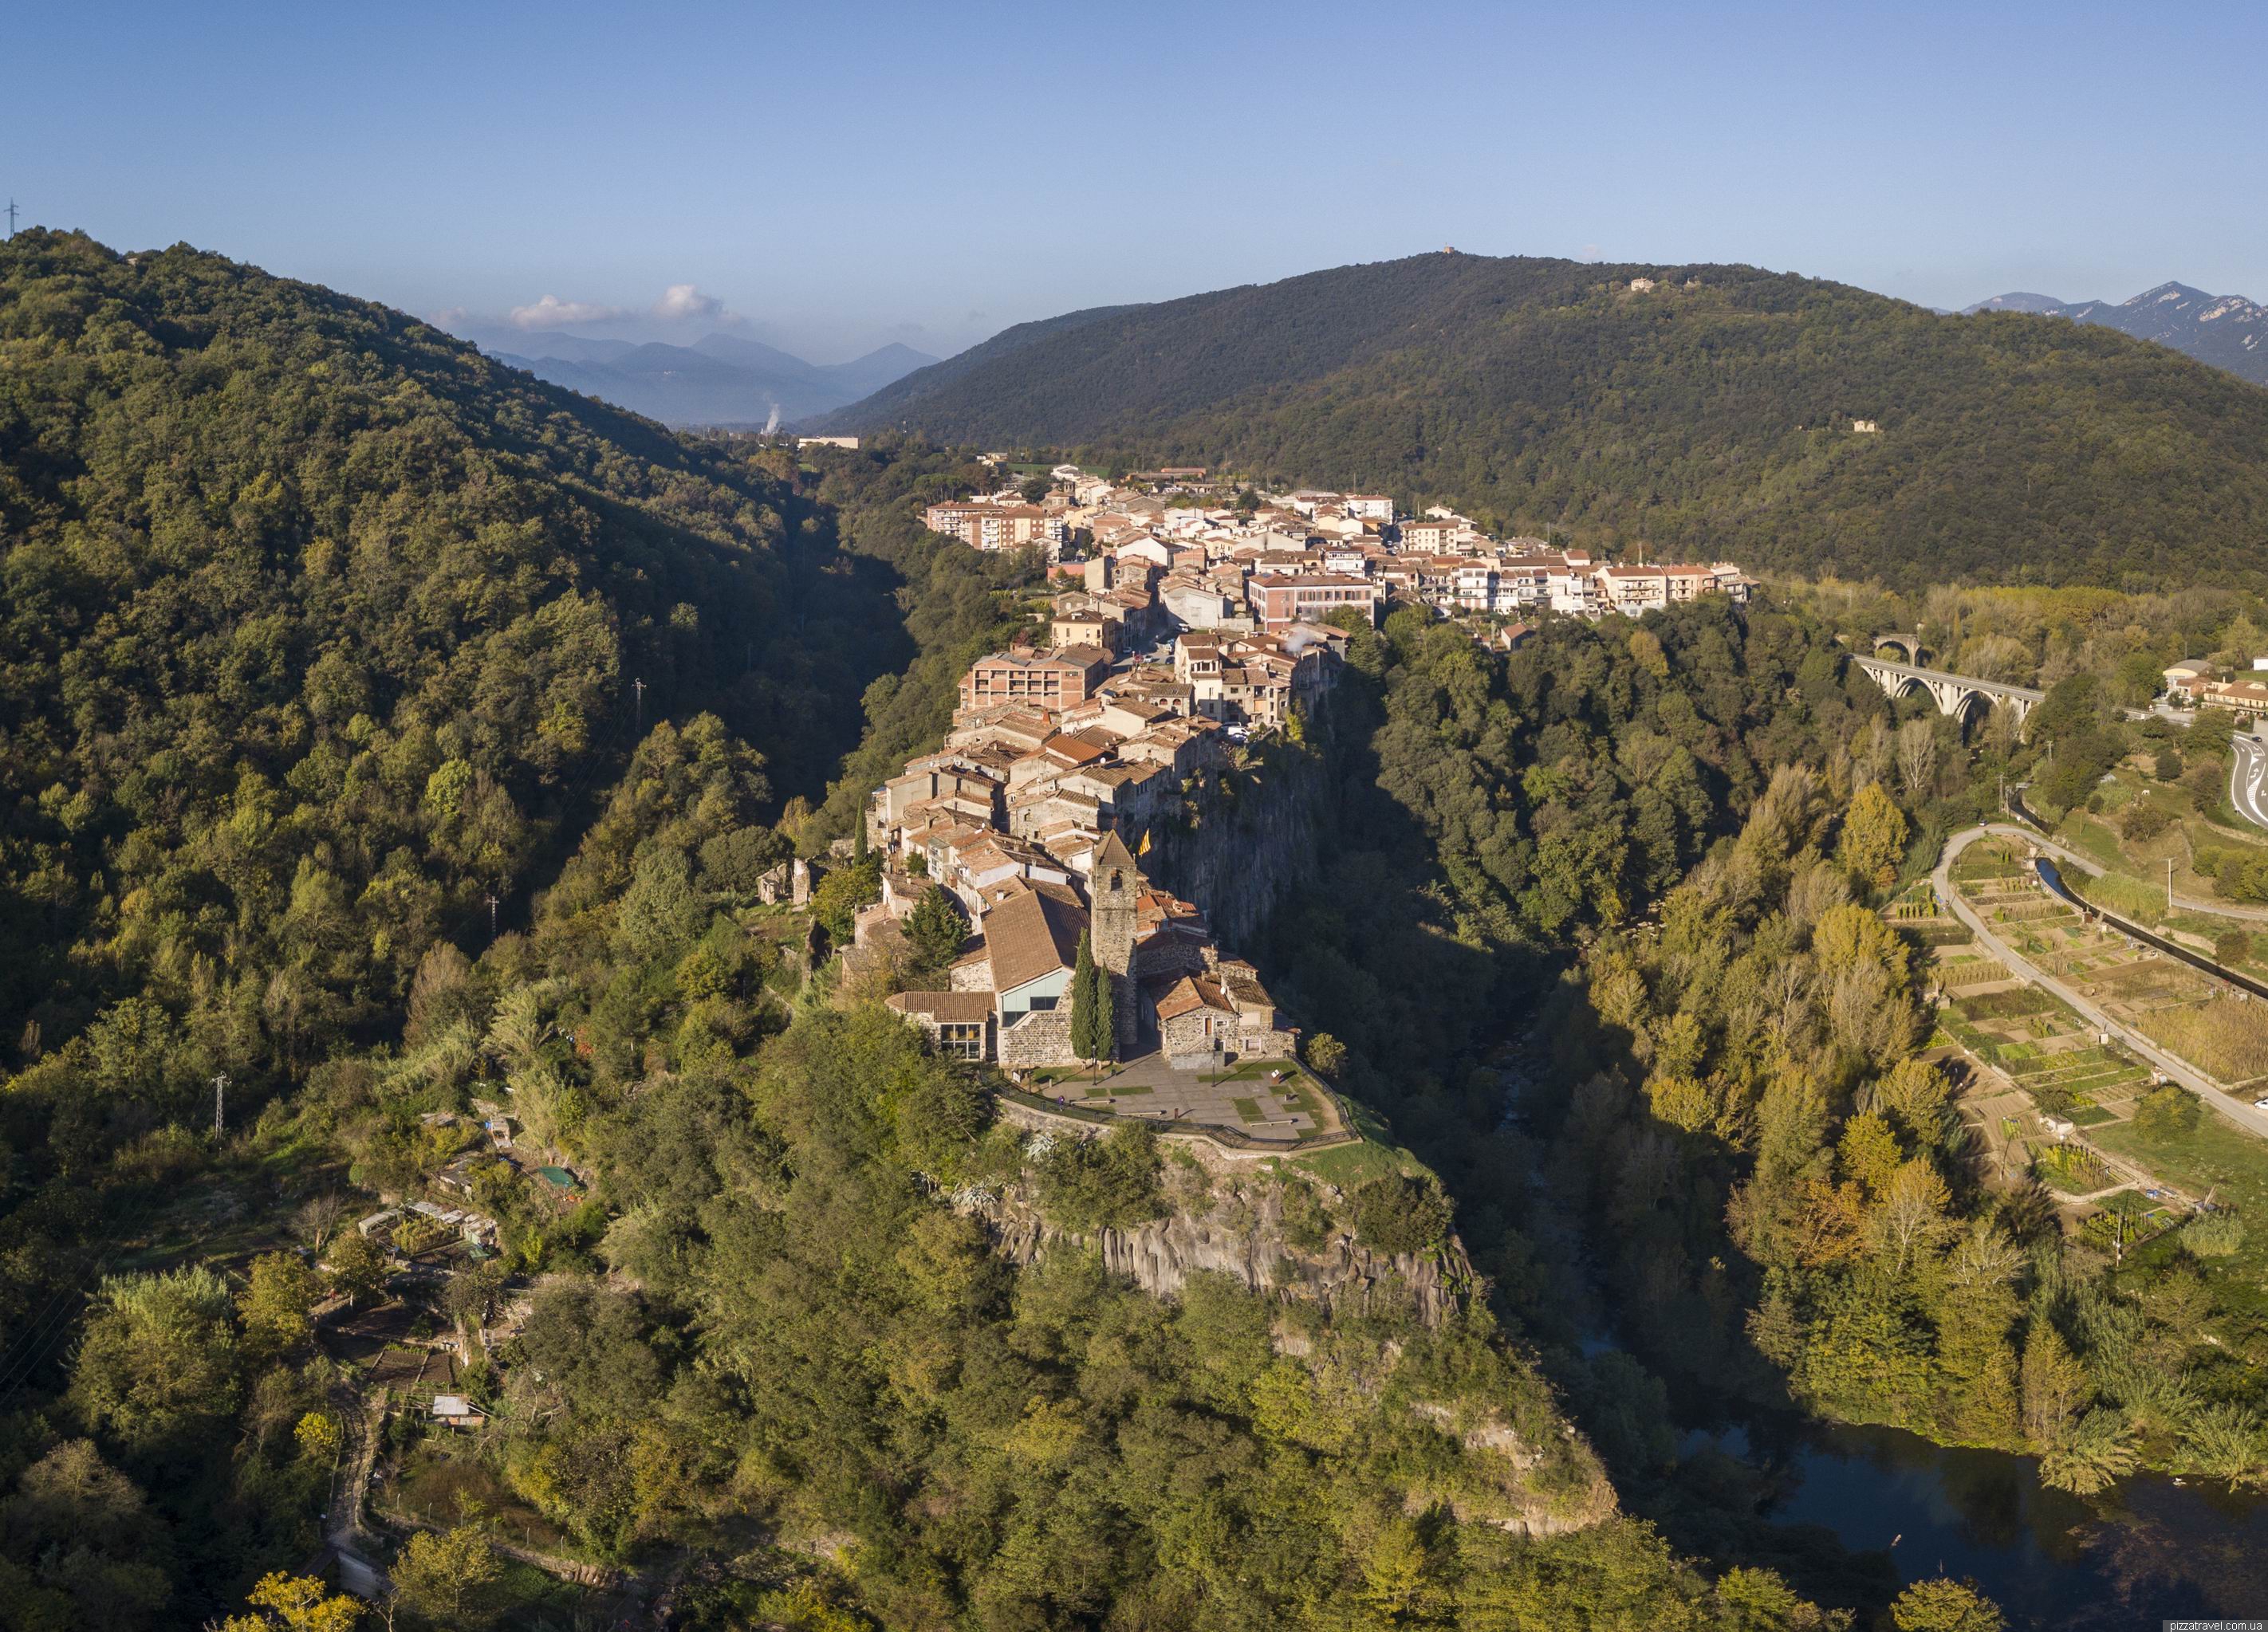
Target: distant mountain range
x,y
2227,331
720,380
1722,411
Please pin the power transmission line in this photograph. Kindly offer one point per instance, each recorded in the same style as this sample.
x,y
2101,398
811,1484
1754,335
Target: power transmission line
x,y
44,1331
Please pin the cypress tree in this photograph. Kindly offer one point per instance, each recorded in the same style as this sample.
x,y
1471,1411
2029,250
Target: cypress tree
x,y
1105,1035
1083,1035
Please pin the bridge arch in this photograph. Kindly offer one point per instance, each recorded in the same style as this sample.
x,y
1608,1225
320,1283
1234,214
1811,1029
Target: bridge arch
x,y
1909,648
1970,708
1957,696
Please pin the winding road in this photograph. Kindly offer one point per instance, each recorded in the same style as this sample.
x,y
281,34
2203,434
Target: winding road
x,y
2248,779
2179,1069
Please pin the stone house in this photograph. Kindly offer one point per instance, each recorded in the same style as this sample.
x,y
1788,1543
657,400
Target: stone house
x,y
958,1023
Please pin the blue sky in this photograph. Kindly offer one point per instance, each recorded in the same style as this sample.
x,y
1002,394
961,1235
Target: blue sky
x,y
832,176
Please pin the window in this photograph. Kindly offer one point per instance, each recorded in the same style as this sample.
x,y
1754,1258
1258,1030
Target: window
x,y
963,1040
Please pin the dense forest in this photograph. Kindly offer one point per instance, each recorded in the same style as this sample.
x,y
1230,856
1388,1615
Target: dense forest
x,y
387,734
1709,415
314,615
324,639
1740,1107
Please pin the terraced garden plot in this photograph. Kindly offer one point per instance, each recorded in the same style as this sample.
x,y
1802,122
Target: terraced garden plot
x,y
1970,969
1917,901
2183,1010
2127,1220
2225,1037
2054,1056
2043,1064
1941,933
2089,1074
1990,860
2072,1170
2046,1050
2007,1003
2143,982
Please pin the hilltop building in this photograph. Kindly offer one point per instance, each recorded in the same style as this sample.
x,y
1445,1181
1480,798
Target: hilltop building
x,y
1149,569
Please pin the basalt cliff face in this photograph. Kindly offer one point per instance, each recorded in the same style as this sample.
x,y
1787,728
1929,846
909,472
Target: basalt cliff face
x,y
1244,840
1504,1457
1237,1228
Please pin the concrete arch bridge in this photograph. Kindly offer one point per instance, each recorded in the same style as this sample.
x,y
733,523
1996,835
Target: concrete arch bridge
x,y
1959,696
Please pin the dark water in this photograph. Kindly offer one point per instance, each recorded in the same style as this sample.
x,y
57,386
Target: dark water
x,y
2145,1551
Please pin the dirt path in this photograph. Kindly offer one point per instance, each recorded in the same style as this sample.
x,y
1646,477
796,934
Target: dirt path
x,y
344,1538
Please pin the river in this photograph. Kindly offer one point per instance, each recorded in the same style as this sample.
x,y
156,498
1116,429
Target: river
x,y
2144,1551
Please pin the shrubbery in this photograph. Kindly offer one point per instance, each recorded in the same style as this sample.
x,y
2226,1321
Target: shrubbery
x,y
1400,1214
1109,1183
2166,1113
2213,1235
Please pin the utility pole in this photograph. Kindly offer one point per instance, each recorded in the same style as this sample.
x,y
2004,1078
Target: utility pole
x,y
220,1089
2169,886
638,687
12,218
492,917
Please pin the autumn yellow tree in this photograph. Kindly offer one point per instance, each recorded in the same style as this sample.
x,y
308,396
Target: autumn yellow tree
x,y
1943,1605
287,1603
448,1578
1874,838
275,1307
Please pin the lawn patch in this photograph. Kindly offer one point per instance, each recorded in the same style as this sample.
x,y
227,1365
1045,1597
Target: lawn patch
x,y
2215,1158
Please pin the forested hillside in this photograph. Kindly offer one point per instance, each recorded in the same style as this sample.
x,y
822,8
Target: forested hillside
x,y
317,624
321,640
1710,415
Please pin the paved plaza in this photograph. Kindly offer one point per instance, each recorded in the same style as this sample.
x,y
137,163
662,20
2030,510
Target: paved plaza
x,y
1242,1096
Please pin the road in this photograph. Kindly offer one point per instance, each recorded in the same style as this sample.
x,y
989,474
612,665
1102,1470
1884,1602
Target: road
x,y
2236,1111
2248,779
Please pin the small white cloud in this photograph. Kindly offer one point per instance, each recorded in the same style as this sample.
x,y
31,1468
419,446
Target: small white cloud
x,y
449,317
553,312
682,302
